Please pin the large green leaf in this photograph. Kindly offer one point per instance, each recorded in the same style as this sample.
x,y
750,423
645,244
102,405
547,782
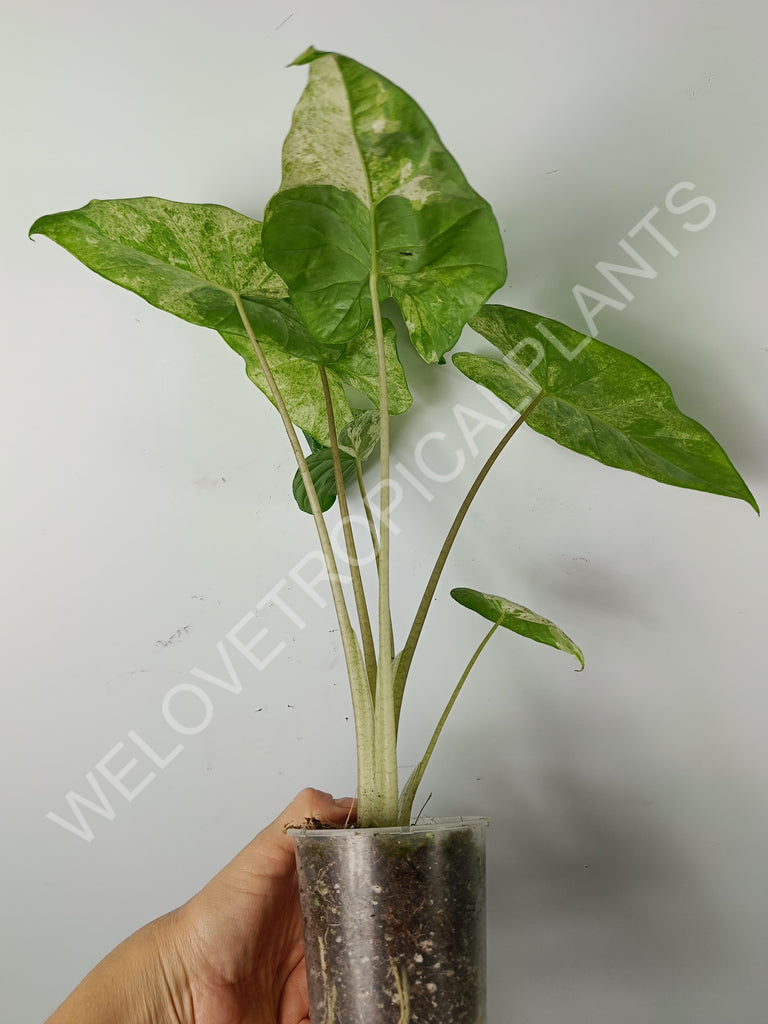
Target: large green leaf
x,y
357,442
598,401
190,260
517,618
300,385
368,186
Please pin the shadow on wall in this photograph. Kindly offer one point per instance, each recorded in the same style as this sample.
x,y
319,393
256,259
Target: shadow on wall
x,y
591,879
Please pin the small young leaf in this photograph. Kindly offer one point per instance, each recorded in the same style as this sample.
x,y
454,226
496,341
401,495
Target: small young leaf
x,y
368,187
598,401
320,465
357,442
360,437
517,618
190,260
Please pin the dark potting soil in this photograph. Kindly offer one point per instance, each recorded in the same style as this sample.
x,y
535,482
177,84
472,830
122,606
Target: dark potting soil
x,y
396,933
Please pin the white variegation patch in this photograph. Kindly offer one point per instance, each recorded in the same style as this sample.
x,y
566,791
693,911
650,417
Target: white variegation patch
x,y
355,131
518,619
360,437
320,148
406,171
418,190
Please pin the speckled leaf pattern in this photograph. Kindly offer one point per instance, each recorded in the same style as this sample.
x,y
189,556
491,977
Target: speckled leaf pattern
x,y
302,391
359,367
357,442
360,437
598,401
367,182
518,619
190,260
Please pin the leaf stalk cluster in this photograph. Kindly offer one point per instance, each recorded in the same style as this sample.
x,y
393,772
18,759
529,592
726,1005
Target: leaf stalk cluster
x,y
371,204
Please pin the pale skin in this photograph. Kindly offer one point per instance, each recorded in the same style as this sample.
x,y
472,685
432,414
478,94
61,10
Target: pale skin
x,y
232,955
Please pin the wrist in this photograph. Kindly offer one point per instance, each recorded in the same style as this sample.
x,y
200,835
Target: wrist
x,y
142,981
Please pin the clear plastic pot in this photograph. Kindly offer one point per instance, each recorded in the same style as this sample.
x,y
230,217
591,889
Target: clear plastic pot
x,y
394,922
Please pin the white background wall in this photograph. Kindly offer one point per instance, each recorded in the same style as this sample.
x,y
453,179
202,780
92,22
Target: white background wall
x,y
147,499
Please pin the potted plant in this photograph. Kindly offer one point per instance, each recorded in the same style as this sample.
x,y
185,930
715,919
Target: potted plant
x,y
374,219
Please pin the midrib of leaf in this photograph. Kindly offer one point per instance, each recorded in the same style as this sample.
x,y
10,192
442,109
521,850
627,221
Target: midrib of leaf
x,y
189,249
231,257
644,453
342,176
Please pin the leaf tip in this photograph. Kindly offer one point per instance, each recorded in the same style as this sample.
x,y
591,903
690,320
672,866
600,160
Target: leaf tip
x,y
307,57
36,228
744,494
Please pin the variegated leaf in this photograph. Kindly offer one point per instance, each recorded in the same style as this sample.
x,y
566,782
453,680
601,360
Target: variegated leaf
x,y
320,465
371,197
598,401
360,437
518,619
357,442
192,260
300,385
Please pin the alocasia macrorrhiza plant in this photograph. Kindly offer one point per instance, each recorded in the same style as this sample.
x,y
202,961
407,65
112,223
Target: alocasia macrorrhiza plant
x,y
372,207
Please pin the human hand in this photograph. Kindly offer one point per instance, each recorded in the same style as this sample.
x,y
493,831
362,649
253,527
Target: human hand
x,y
241,938
232,955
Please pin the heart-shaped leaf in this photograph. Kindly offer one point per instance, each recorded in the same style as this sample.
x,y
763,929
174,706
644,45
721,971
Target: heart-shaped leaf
x,y
357,442
190,260
598,401
517,618
370,198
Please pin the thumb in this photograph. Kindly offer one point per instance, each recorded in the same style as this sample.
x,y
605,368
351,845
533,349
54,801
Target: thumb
x,y
274,845
314,805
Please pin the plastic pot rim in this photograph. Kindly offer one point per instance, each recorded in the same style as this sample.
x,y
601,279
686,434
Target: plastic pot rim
x,y
423,826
